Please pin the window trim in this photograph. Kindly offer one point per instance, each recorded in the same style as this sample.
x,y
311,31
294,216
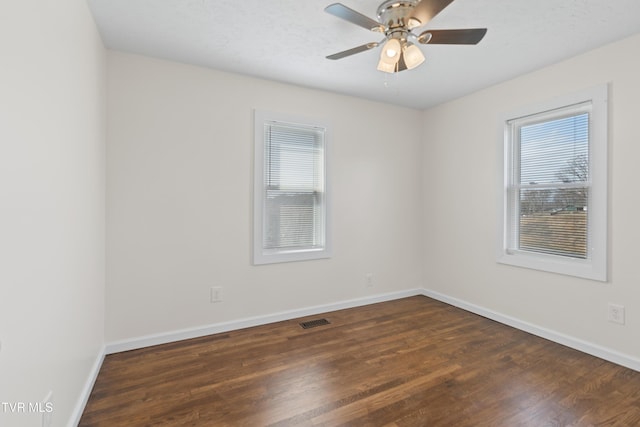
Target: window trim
x,y
595,266
262,255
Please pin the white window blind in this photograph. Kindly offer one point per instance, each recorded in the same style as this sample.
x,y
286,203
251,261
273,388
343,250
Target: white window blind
x,y
290,190
550,183
294,187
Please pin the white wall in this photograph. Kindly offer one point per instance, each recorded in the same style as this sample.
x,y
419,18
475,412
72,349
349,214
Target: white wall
x,y
460,193
179,195
52,205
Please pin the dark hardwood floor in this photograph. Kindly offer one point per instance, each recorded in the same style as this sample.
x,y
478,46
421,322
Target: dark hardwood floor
x,y
410,362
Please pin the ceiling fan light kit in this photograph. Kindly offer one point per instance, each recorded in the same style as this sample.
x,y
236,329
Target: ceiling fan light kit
x,y
396,20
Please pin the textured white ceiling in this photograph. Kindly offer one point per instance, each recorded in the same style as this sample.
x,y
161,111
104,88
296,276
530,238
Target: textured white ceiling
x,y
287,41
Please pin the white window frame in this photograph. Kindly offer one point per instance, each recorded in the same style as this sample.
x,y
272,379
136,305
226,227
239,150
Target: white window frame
x,y
263,255
594,267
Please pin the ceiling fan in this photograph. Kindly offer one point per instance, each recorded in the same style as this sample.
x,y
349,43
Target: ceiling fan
x,y
396,20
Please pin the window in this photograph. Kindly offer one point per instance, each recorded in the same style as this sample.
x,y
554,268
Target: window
x,y
554,201
290,190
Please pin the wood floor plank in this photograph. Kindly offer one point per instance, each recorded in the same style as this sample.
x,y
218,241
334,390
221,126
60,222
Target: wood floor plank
x,y
410,362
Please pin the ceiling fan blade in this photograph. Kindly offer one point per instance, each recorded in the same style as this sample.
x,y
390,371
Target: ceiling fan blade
x,y
353,51
348,14
467,36
427,9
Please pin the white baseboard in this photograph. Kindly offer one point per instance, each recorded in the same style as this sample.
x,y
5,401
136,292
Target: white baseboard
x,y
216,328
86,390
575,343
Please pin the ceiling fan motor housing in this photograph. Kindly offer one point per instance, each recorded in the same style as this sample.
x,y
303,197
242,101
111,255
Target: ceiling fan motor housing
x,y
395,15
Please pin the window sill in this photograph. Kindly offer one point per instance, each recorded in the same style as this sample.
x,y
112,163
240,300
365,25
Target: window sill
x,y
290,256
583,268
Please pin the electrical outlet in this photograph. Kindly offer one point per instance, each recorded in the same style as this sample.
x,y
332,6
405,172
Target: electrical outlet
x,y
216,294
368,280
47,409
616,313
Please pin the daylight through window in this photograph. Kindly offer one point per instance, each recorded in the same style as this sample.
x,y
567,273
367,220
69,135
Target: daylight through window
x,y
555,187
550,189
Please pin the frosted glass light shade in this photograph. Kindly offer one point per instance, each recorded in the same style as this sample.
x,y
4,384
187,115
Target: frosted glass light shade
x,y
391,52
412,56
387,68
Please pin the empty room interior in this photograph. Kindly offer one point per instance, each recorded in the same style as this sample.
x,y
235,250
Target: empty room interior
x,y
407,213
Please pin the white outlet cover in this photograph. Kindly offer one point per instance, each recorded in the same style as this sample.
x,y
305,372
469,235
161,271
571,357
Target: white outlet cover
x,y
368,280
216,294
616,313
